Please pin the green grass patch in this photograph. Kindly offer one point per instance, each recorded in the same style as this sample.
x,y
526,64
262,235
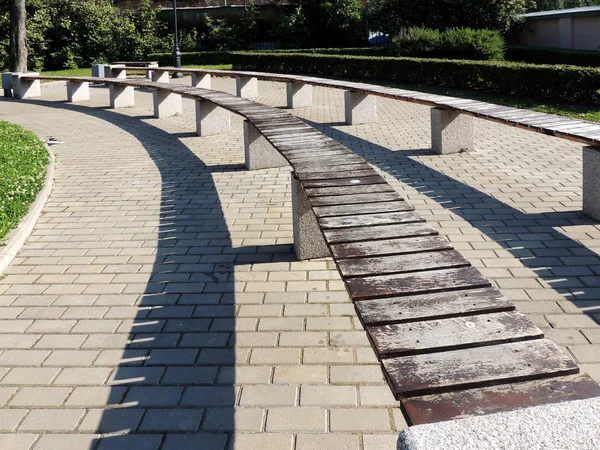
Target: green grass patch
x,y
82,72
23,163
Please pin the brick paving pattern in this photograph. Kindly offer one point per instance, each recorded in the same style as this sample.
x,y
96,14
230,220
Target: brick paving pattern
x,y
158,303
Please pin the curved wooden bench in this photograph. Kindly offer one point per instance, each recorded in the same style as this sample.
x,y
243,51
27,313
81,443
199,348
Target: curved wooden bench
x,y
451,118
450,344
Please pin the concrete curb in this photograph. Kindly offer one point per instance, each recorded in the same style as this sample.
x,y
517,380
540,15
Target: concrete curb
x,y
17,237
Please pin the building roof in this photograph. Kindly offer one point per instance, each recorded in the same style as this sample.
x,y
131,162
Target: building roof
x,y
564,13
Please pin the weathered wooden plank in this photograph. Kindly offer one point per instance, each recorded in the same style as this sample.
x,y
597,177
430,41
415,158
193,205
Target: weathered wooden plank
x,y
438,305
364,170
412,262
455,370
367,208
332,161
377,179
348,235
434,336
368,220
494,399
323,170
348,190
416,283
354,199
390,246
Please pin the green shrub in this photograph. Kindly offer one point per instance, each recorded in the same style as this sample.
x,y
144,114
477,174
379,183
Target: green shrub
x,y
453,43
23,162
542,55
557,83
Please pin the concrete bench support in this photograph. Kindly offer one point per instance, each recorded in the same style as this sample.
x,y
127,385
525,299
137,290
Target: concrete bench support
x,y
121,96
451,131
115,72
246,87
201,80
159,76
26,88
299,95
211,119
78,91
591,182
259,152
360,108
166,104
309,242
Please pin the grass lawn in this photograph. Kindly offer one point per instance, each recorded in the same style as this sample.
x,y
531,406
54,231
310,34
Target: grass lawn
x,y
23,162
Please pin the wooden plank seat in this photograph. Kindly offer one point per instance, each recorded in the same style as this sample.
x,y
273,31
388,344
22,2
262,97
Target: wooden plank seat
x,y
449,343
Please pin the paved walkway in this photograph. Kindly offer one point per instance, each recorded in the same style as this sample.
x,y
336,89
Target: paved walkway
x,y
158,303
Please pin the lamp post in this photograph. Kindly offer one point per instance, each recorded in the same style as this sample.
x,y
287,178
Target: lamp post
x,y
176,52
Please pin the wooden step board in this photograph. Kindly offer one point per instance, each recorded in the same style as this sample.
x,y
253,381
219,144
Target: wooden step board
x,y
450,344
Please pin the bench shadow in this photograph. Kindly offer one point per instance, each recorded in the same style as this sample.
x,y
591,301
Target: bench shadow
x,y
567,266
176,374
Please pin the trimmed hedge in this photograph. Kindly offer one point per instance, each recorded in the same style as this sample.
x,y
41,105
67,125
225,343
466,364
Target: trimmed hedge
x,y
189,58
542,55
453,43
546,82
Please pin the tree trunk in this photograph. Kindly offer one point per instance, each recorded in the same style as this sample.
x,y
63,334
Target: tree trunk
x,y
18,36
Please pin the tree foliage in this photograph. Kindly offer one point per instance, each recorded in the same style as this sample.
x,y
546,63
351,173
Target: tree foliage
x,y
321,23
391,16
548,5
64,34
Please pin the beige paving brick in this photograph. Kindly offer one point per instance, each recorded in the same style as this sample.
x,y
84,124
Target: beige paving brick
x,y
300,374
52,420
40,396
302,338
571,321
359,420
54,441
268,396
305,310
380,441
296,419
82,376
23,357
30,376
335,441
10,419
377,396
21,441
356,374
97,396
270,441
275,356
327,395
328,323
586,353
328,355
280,324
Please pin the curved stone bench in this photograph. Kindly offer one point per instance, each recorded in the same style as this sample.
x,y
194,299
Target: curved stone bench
x,y
450,344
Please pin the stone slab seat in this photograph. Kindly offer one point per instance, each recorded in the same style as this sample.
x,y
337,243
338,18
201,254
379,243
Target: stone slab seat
x,y
450,344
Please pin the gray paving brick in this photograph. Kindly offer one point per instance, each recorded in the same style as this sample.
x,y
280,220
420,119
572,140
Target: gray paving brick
x,y
174,420
111,420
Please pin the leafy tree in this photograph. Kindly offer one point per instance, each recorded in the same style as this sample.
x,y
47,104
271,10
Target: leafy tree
x,y
321,23
392,15
548,5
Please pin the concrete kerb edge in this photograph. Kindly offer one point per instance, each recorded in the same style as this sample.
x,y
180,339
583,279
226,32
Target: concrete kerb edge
x,y
17,237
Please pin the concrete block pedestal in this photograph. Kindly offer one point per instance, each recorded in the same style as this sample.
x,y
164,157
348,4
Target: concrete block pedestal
x,y
121,96
573,425
451,131
309,242
166,104
591,182
299,95
246,87
115,71
25,88
211,119
201,80
78,91
259,152
360,108
159,76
